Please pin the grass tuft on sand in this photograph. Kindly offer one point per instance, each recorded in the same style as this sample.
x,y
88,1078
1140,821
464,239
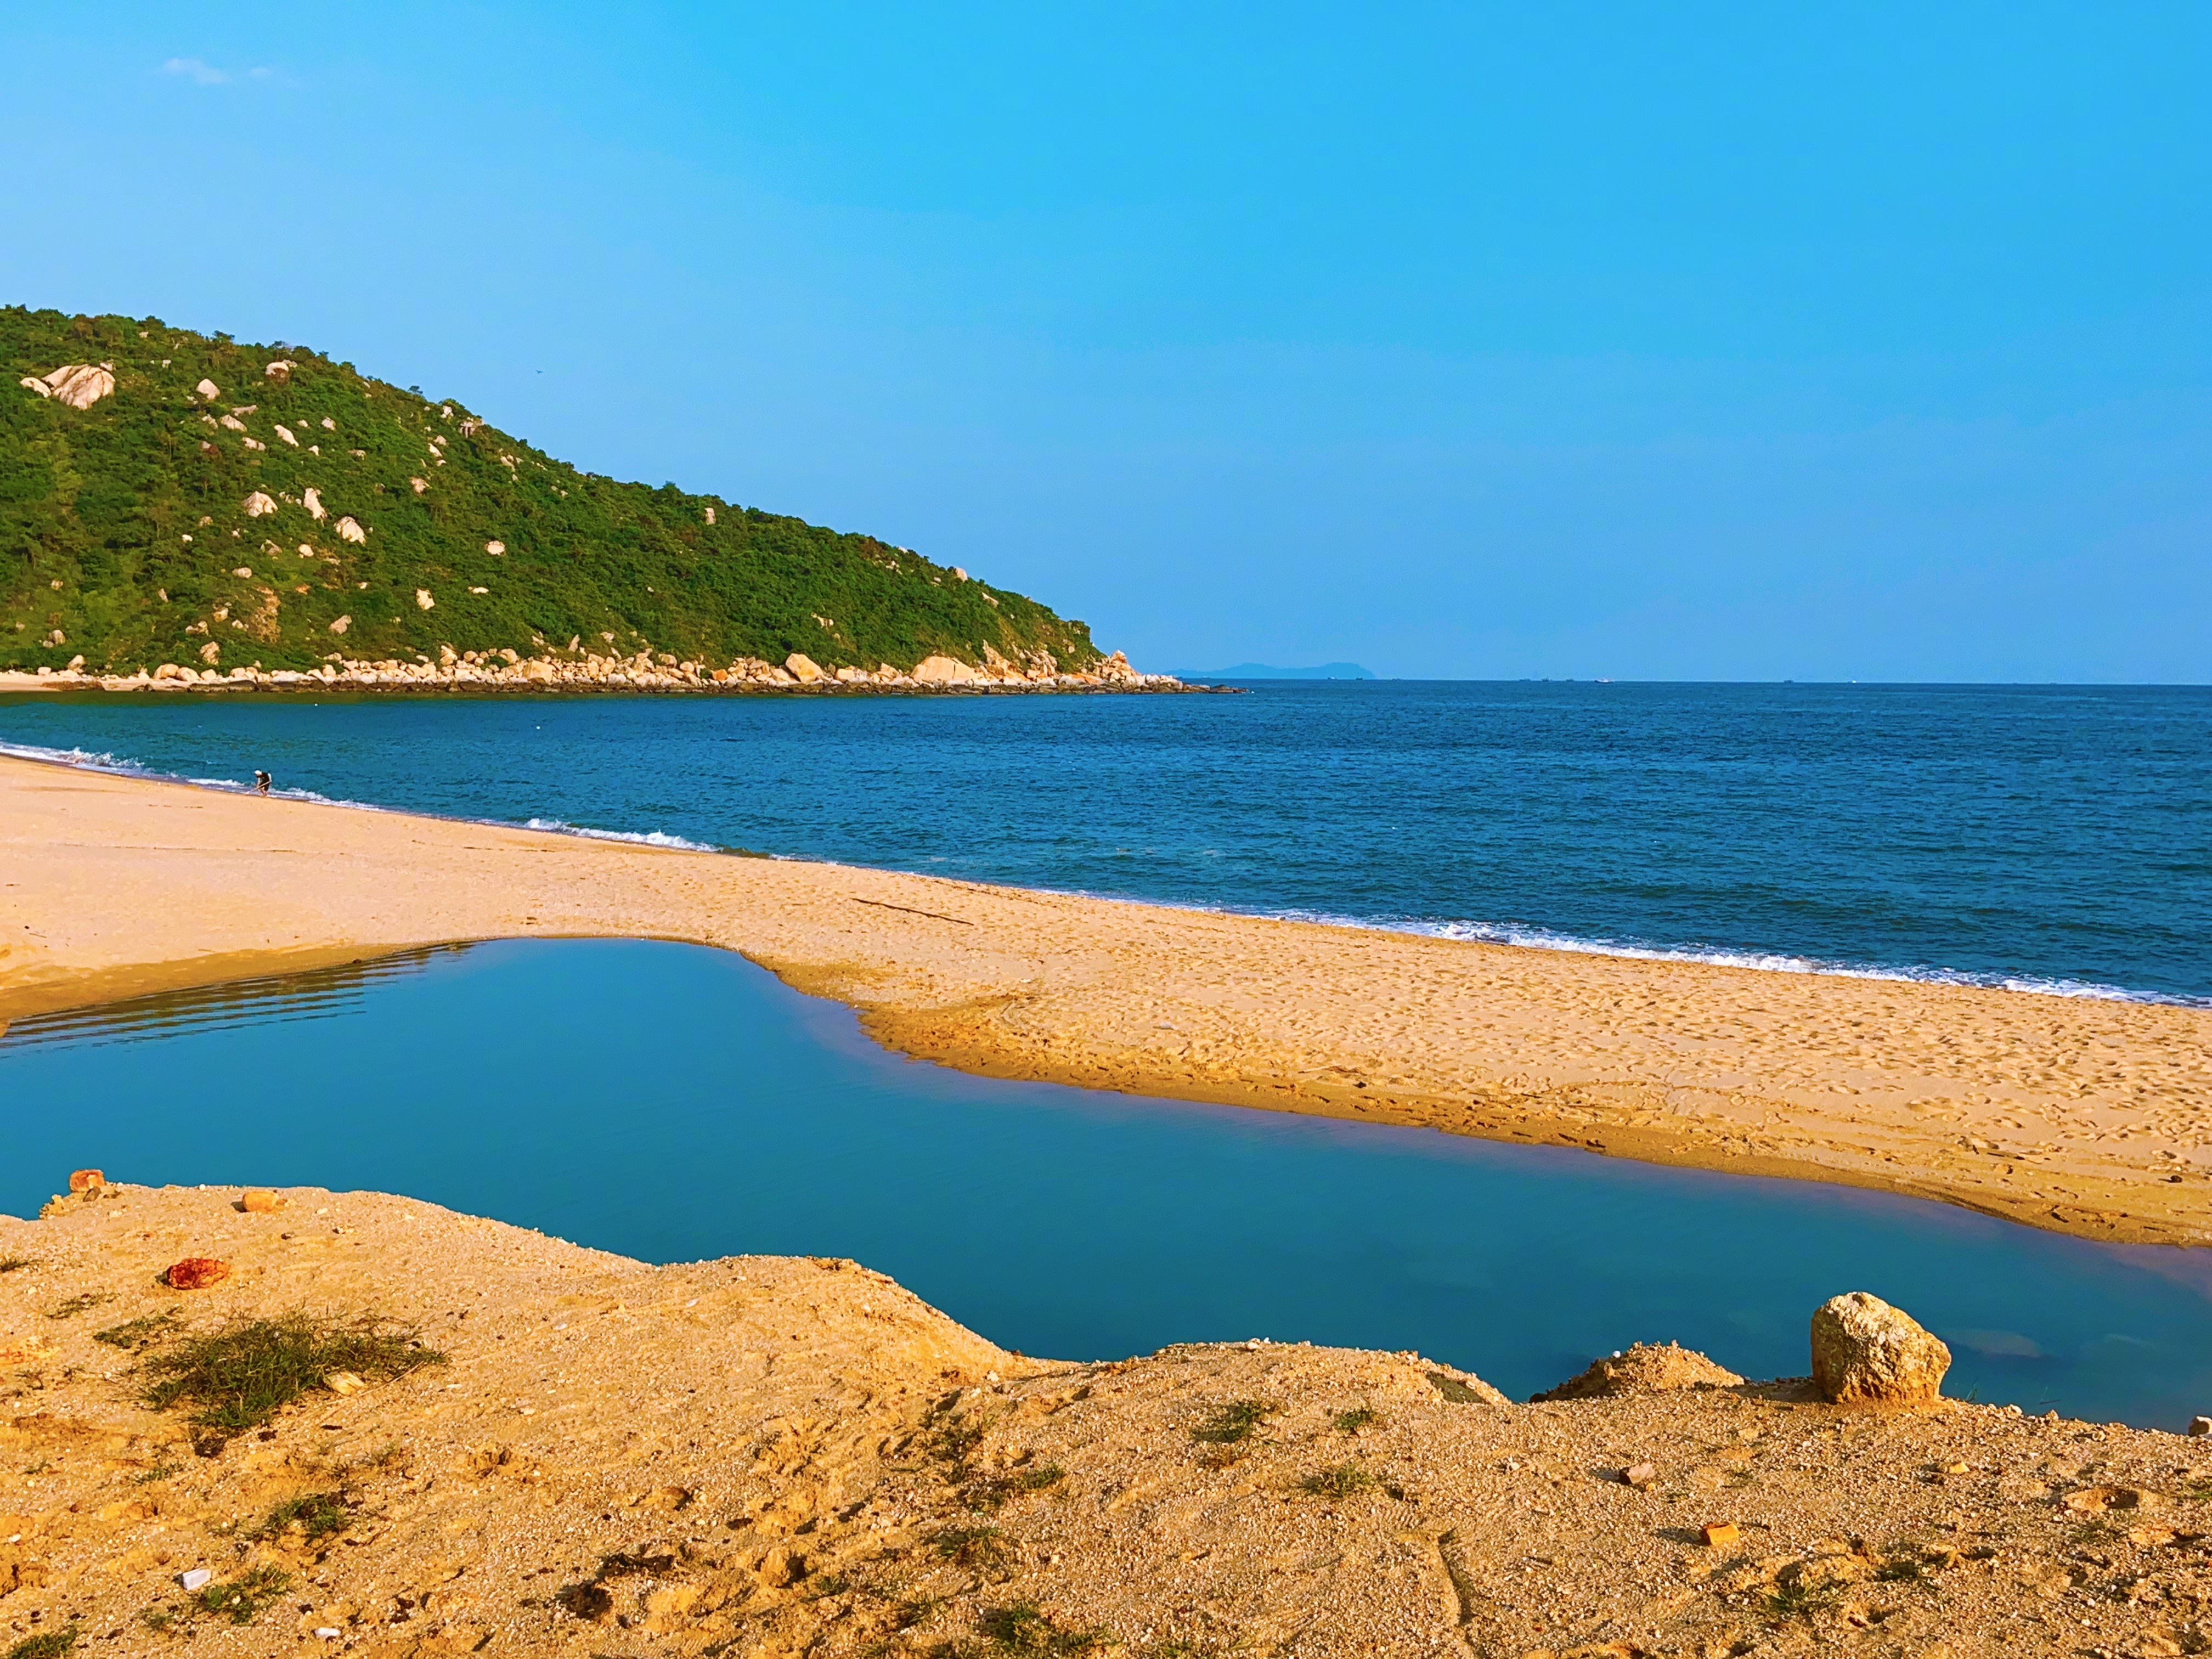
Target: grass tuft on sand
x,y
1234,1421
313,1514
1344,1480
243,1374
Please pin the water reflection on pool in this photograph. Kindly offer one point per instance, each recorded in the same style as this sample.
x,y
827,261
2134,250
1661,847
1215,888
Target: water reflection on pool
x,y
673,1102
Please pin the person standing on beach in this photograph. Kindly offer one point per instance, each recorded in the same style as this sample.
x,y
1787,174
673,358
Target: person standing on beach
x,y
261,782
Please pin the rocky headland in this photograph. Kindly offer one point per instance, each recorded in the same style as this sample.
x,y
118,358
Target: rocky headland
x,y
579,671
556,1451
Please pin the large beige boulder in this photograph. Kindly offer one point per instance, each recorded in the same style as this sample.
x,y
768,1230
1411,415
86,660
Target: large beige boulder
x,y
208,390
351,530
78,385
311,499
803,668
943,671
256,504
1642,1368
1866,1352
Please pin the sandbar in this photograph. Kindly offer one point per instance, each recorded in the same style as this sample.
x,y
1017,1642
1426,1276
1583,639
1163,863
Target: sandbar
x,y
2088,1117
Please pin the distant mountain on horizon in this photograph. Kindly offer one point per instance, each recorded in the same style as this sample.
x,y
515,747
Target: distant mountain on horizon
x,y
1260,671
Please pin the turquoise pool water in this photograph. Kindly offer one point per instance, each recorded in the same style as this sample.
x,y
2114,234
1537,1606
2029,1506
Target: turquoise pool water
x,y
673,1102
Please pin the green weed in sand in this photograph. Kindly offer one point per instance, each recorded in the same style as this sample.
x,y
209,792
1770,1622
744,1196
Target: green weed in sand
x,y
1024,1628
314,1515
246,1373
973,1548
1345,1480
52,1644
1234,1421
240,1598
136,1335
997,1493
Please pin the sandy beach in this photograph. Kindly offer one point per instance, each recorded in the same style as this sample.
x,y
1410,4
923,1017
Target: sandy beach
x,y
2092,1117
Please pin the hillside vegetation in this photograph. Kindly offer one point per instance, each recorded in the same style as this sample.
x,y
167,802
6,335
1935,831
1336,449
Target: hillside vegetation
x,y
195,499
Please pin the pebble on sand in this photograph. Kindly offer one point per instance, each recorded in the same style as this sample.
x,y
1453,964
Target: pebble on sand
x,y
196,1273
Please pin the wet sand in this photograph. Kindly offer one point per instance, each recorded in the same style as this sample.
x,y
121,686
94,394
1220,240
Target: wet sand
x,y
2092,1117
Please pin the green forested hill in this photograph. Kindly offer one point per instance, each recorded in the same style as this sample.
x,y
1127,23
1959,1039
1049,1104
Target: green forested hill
x,y
161,519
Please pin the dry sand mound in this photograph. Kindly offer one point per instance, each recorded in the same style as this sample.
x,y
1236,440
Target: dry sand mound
x,y
784,1456
1643,1368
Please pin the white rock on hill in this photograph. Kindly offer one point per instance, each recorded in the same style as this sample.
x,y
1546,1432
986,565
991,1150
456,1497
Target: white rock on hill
x,y
311,500
943,671
281,369
351,530
208,390
494,547
256,504
423,601
78,385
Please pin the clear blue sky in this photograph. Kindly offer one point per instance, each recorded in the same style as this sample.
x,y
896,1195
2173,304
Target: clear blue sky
x,y
1691,341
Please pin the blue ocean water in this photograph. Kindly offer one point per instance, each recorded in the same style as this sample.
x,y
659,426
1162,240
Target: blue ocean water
x,y
675,1103
2055,837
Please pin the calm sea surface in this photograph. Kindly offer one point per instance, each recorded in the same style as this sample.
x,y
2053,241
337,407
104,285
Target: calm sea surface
x,y
2058,837
674,1102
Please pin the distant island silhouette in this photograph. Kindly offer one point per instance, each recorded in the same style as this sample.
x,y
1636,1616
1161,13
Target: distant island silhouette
x,y
1260,671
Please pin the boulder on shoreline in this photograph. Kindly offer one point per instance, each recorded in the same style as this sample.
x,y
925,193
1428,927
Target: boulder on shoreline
x,y
1865,1352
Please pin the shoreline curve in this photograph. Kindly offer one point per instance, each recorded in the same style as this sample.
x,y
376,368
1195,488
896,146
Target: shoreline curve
x,y
2084,1115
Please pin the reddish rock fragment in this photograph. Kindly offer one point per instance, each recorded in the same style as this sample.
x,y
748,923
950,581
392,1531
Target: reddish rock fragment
x,y
86,1180
259,1201
196,1273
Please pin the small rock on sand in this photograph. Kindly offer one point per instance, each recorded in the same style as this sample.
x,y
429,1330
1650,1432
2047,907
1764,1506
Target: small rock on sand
x,y
196,1273
2199,1426
1865,1351
82,1180
259,1201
